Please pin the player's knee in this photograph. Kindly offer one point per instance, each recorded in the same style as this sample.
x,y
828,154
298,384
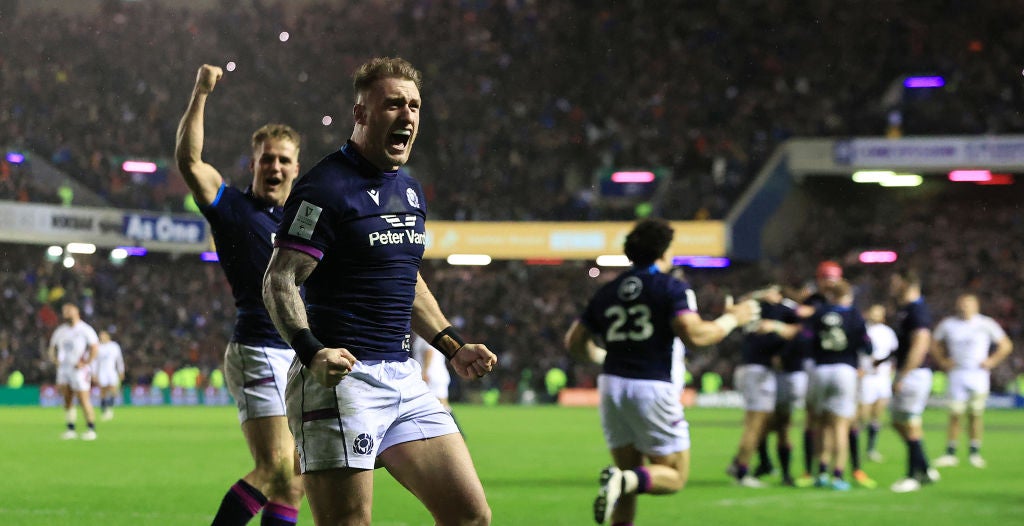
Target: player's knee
x,y
471,516
957,407
976,405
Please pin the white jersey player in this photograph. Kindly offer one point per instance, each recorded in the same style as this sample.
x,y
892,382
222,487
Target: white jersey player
x,y
435,369
961,347
108,373
72,348
876,384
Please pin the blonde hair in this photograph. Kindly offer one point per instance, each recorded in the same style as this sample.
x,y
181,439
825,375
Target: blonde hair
x,y
384,68
276,131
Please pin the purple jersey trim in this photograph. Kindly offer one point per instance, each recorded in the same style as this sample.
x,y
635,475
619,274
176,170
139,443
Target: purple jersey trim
x,y
680,312
305,249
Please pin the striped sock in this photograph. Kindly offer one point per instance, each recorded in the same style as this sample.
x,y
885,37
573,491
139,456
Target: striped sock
x,y
239,505
277,514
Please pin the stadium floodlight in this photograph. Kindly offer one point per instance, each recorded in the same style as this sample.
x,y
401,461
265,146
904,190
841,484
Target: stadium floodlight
x,y
469,259
872,176
15,157
594,272
970,176
902,180
701,261
139,167
618,260
134,251
230,66
284,36
69,262
633,177
81,248
55,251
327,120
877,256
924,82
209,256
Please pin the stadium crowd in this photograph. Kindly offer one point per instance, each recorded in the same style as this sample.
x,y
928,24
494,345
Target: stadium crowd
x,y
167,312
527,100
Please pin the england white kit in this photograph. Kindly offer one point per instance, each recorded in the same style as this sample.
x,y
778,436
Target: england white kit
x,y
876,384
436,372
109,365
71,342
968,343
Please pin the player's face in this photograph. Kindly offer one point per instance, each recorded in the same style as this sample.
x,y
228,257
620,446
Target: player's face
x,y
876,314
967,306
69,312
275,165
389,117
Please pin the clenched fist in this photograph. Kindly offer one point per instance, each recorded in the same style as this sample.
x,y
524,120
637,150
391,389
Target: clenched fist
x,y
473,360
330,366
207,78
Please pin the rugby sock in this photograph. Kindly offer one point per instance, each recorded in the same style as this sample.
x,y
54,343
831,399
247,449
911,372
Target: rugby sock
x,y
784,451
70,415
741,470
822,468
239,505
92,426
917,461
837,474
636,480
808,450
975,447
277,514
762,453
855,448
103,403
951,448
873,428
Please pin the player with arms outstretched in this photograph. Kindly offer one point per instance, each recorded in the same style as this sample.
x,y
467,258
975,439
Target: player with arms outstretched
x,y
256,360
635,317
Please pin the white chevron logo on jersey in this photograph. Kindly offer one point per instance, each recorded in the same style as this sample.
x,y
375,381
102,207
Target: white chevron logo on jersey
x,y
375,195
397,222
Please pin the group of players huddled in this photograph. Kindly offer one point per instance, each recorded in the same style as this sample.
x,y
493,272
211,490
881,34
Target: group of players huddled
x,y
807,348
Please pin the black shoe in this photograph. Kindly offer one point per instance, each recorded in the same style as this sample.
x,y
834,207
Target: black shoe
x,y
788,481
763,469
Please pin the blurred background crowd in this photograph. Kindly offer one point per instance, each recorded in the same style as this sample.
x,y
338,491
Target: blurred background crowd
x,y
524,101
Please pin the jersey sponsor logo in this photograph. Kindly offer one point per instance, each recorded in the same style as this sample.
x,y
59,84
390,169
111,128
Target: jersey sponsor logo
x,y
630,288
363,444
414,200
397,222
375,195
305,220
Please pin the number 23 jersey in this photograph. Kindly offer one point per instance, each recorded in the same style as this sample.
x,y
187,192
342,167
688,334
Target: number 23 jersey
x,y
632,317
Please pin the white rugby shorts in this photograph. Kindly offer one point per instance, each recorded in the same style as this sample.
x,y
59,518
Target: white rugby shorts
x,y
833,390
645,414
378,405
910,400
256,378
966,382
758,385
107,378
874,387
77,378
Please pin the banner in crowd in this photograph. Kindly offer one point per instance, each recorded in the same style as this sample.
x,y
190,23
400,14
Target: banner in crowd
x,y
932,152
562,240
104,227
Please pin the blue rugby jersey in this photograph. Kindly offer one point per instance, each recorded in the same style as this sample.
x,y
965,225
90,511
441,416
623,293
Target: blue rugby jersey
x,y
366,228
632,317
759,348
910,318
838,335
243,228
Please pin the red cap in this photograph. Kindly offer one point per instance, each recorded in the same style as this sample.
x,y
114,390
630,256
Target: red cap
x,y
829,270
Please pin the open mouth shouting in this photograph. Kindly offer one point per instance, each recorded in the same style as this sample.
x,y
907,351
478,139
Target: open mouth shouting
x,y
399,141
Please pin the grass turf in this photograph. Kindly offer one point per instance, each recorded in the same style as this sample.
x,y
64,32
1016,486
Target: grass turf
x,y
539,465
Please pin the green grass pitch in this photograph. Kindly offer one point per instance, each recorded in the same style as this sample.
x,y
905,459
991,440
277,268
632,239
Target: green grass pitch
x,y
539,465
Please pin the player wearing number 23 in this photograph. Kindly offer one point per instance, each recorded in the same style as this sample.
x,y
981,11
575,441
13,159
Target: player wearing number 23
x,y
635,318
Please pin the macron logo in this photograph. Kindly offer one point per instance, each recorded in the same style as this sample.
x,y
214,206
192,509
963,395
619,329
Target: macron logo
x,y
396,222
375,195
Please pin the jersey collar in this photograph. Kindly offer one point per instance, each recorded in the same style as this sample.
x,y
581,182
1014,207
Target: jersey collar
x,y
364,166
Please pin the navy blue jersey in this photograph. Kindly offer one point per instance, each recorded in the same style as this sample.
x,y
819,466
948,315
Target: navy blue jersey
x,y
759,348
632,317
366,228
838,335
909,319
243,228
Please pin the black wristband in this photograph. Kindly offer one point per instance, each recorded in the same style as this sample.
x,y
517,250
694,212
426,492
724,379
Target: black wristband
x,y
448,342
306,346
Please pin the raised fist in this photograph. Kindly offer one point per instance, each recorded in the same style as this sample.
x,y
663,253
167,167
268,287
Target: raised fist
x,y
207,78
